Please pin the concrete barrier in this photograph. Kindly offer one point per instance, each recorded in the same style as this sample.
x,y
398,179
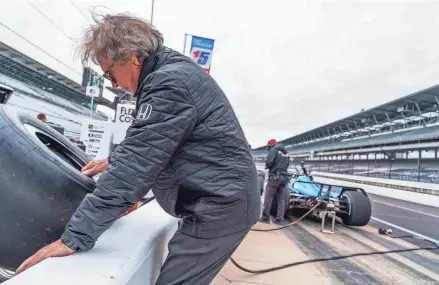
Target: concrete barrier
x,y
417,192
131,252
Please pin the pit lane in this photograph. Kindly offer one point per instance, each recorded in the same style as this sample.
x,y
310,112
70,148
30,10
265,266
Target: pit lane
x,y
263,250
305,241
388,212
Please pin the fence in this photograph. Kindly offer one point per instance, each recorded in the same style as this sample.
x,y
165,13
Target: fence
x,y
424,170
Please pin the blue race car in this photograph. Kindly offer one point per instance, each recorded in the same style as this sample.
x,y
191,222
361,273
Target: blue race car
x,y
351,205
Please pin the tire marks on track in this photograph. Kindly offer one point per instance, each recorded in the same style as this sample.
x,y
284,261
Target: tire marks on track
x,y
404,268
427,259
343,270
409,271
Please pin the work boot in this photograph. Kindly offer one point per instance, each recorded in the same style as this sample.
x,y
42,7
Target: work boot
x,y
264,220
279,222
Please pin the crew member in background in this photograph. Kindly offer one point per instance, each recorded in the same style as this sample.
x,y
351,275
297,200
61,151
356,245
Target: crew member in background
x,y
277,164
42,117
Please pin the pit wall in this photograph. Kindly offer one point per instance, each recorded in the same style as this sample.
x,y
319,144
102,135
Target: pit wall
x,y
131,252
417,192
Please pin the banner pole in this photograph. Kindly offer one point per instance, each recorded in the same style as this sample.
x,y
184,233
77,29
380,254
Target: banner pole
x,y
184,44
152,12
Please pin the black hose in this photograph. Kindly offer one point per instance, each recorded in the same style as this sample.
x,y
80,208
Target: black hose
x,y
436,247
334,258
290,224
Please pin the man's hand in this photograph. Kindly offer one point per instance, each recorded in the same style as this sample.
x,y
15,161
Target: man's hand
x,y
95,167
55,249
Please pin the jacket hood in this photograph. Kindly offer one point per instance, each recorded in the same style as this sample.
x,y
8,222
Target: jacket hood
x,y
280,147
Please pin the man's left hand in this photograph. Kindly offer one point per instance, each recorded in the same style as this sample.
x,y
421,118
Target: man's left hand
x,y
55,249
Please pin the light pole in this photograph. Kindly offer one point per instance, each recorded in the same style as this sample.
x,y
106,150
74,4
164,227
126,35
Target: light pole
x,y
152,11
184,44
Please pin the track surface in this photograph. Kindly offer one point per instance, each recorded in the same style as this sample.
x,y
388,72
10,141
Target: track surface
x,y
411,216
263,250
421,219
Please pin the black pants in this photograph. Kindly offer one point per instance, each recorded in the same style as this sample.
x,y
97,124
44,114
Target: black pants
x,y
196,261
275,188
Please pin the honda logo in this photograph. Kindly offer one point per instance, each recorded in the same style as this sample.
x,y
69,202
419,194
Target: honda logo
x,y
144,111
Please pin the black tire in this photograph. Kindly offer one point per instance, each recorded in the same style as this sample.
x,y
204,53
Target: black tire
x,y
261,180
261,184
40,185
5,275
286,193
360,208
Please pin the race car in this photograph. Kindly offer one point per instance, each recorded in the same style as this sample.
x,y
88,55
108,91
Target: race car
x,y
351,205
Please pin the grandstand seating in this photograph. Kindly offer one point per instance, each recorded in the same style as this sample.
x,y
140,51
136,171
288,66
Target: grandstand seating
x,y
414,135
411,120
33,100
42,94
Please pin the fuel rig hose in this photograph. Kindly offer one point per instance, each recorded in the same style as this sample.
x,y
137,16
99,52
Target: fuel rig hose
x,y
292,223
332,258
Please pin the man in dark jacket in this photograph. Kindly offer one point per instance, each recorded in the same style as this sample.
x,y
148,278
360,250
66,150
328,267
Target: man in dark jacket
x,y
185,144
277,164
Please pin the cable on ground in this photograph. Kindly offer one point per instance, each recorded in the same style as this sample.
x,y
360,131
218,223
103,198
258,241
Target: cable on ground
x,y
338,257
387,232
292,223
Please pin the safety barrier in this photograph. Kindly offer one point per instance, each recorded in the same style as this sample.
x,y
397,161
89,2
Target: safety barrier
x,y
131,252
417,192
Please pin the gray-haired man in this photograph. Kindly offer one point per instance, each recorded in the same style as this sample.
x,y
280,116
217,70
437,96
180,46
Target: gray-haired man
x,y
185,144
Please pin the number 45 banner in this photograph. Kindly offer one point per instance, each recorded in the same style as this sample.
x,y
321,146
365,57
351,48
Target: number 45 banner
x,y
201,52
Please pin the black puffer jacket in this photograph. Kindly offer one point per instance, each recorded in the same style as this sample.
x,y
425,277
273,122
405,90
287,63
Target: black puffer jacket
x,y
185,144
277,160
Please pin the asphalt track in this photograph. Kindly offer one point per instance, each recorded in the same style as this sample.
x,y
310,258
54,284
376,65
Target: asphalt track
x,y
305,241
413,217
409,217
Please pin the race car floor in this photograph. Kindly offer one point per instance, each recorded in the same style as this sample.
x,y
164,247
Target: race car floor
x,y
262,250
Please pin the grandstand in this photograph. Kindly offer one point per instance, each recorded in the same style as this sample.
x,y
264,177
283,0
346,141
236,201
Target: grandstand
x,y
20,67
38,88
398,140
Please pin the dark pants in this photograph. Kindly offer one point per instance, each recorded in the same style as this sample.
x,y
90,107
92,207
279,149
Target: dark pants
x,y
275,188
196,261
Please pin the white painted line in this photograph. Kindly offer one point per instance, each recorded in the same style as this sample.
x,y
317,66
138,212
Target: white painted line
x,y
411,210
405,230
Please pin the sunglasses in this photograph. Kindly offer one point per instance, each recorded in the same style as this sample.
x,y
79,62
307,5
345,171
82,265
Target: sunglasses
x,y
109,74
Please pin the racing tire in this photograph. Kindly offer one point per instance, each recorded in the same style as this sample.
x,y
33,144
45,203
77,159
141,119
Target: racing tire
x,y
5,275
261,181
286,193
41,185
261,184
360,209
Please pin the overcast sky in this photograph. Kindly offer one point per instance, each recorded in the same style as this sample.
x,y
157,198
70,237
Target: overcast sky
x,y
286,66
